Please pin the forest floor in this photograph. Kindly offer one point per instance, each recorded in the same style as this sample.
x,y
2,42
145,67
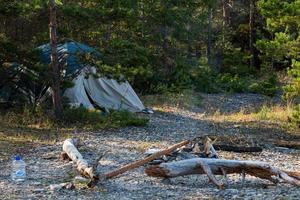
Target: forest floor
x,y
244,118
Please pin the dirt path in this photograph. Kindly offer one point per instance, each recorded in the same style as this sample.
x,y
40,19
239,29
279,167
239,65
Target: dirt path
x,y
167,126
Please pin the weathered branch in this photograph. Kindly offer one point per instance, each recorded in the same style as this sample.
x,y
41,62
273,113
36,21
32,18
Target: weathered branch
x,y
210,175
139,163
194,166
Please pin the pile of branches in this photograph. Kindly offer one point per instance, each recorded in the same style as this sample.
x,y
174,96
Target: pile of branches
x,y
197,156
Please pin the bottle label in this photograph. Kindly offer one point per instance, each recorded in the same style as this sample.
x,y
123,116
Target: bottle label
x,y
20,173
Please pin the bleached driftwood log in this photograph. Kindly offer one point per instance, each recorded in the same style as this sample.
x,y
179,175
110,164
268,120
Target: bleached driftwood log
x,y
70,148
213,167
83,167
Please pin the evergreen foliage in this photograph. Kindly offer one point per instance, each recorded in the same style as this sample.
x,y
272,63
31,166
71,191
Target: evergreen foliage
x,y
161,46
281,48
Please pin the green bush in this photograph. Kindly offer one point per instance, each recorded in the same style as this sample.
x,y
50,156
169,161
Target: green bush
x,y
204,79
266,87
232,83
125,118
82,116
236,62
295,115
292,90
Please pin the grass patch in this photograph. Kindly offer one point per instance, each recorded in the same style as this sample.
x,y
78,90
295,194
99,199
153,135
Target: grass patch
x,y
93,119
273,113
39,125
268,113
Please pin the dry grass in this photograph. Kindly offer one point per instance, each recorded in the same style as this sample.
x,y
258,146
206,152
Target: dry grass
x,y
40,136
275,113
270,117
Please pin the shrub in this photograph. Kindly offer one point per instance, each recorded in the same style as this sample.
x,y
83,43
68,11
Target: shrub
x,y
125,118
266,87
295,115
236,62
232,83
82,116
204,79
292,90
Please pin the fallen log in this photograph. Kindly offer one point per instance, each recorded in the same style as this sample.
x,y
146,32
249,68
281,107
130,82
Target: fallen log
x,y
69,147
195,166
288,144
144,161
237,149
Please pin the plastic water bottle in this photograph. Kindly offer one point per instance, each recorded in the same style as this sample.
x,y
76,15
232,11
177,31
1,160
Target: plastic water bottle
x,y
18,172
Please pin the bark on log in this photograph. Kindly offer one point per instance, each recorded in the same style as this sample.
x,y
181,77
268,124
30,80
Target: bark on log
x,y
194,166
83,167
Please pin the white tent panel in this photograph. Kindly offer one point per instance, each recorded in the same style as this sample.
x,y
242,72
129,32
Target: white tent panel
x,y
110,94
77,95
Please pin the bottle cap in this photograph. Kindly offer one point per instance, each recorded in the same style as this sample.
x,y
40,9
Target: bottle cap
x,y
18,158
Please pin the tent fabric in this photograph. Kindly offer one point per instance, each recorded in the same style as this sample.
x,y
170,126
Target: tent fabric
x,y
77,95
113,95
68,51
103,92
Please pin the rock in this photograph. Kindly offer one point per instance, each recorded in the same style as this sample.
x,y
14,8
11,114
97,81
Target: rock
x,y
36,183
57,187
38,190
231,191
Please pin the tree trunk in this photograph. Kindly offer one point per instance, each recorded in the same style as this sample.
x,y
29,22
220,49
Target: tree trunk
x,y
209,43
56,82
226,12
252,33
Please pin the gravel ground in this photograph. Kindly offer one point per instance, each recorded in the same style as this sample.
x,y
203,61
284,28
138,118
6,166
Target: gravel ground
x,y
128,144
